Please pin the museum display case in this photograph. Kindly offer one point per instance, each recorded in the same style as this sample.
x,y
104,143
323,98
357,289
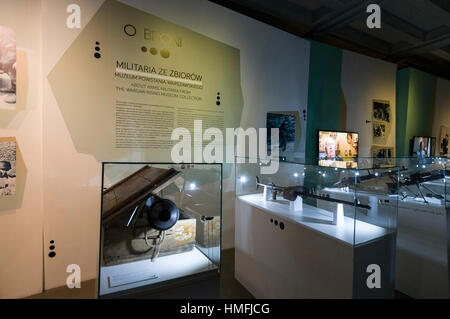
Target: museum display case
x,y
424,180
160,223
317,231
423,227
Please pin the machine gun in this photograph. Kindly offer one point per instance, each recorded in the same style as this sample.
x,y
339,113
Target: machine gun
x,y
291,192
349,181
418,180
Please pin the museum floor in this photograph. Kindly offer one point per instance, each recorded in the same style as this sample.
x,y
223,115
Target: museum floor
x,y
230,288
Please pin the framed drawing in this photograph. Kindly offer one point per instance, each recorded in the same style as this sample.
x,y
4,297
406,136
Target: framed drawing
x,y
7,167
286,124
443,141
383,156
380,133
381,111
7,68
382,152
381,119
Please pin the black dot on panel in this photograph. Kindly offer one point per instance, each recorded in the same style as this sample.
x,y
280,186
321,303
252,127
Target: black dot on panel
x,y
52,247
276,223
282,225
217,103
52,241
97,49
144,49
97,43
271,220
218,97
97,55
51,254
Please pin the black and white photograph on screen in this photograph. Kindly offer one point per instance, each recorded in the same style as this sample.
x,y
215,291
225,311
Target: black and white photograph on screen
x,y
286,126
381,111
444,138
7,168
7,68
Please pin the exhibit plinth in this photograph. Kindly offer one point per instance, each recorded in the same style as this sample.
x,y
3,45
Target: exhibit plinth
x,y
280,254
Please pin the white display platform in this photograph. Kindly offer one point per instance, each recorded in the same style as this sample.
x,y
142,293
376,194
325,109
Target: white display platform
x,y
421,251
319,220
144,272
309,257
422,261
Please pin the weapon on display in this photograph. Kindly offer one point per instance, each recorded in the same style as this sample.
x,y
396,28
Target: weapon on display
x,y
136,194
291,192
349,181
418,179
162,214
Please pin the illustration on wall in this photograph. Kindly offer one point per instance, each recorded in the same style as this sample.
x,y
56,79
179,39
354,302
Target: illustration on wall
x,y
381,111
382,156
7,167
382,152
286,126
381,119
443,141
379,133
7,68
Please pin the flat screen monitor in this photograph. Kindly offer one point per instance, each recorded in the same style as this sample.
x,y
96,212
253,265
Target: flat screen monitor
x,y
424,146
338,149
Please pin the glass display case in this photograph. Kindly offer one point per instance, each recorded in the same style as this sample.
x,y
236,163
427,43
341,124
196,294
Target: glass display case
x,y
361,201
346,217
160,223
423,236
424,180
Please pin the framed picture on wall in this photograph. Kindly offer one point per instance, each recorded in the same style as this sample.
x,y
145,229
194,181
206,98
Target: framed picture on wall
x,y
7,68
380,133
381,119
7,167
381,111
383,156
444,137
382,152
286,124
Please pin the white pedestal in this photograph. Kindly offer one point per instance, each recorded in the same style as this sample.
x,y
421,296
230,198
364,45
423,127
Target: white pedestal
x,y
338,216
297,205
279,254
266,194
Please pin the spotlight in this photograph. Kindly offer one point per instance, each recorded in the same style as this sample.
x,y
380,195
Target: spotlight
x,y
243,179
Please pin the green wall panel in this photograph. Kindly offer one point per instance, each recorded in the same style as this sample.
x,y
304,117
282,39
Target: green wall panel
x,y
415,107
324,94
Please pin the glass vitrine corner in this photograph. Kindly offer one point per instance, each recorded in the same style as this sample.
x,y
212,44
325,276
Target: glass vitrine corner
x,y
160,223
